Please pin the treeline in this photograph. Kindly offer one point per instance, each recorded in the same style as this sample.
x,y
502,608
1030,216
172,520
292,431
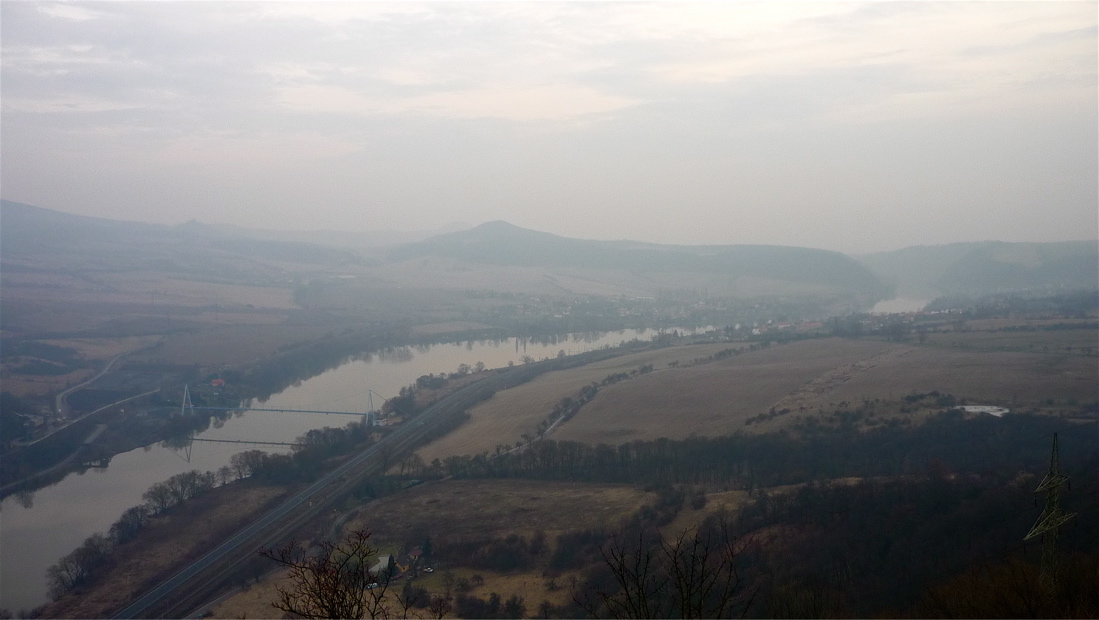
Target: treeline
x,y
307,460
983,444
1079,303
941,544
311,455
91,558
301,361
884,547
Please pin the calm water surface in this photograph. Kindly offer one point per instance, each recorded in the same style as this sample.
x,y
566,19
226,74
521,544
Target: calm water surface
x,y
37,530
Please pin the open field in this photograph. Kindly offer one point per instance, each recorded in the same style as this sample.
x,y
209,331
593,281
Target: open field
x,y
229,344
717,398
1030,322
473,509
505,417
1076,341
42,385
993,377
151,289
484,499
710,399
255,600
104,348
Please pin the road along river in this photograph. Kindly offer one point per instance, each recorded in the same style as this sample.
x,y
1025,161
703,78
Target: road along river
x,y
38,529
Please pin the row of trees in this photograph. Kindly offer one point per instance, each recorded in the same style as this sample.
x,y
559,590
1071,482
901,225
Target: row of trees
x,y
79,567
906,545
83,564
980,444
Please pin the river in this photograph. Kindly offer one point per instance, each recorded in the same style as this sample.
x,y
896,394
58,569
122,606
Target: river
x,y
37,529
899,305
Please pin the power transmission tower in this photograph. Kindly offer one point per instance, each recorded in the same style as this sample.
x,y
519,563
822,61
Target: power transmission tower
x,y
1051,519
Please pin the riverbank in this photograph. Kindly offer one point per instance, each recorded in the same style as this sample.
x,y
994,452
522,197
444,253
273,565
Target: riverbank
x,y
168,543
42,526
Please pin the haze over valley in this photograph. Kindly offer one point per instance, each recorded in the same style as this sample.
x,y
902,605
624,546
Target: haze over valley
x,y
549,310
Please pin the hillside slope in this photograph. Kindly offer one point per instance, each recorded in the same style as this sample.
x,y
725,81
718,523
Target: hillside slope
x,y
502,244
987,267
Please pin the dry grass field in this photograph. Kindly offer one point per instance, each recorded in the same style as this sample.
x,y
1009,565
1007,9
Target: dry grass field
x,y
492,503
504,418
804,377
255,600
472,509
31,386
229,344
142,288
717,398
710,399
981,377
1051,341
90,349
104,348
174,291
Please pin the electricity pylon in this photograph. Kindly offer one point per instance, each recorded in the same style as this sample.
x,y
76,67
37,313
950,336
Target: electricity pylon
x,y
1051,519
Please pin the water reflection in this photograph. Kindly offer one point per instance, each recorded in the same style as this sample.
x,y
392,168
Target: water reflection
x,y
39,528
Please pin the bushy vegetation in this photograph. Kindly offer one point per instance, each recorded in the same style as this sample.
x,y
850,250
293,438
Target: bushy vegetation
x,y
86,562
982,444
885,546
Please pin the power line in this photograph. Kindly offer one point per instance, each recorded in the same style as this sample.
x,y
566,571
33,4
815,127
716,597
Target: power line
x,y
1049,522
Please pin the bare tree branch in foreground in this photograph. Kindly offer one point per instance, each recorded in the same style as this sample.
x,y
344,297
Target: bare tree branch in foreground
x,y
693,575
336,582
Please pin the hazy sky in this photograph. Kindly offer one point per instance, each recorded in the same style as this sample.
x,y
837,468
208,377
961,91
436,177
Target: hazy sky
x,y
848,126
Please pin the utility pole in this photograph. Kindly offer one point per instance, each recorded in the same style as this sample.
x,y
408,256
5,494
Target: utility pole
x,y
1051,519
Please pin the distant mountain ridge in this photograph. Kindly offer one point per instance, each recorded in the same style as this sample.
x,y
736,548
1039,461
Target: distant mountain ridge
x,y
987,267
29,234
500,243
30,230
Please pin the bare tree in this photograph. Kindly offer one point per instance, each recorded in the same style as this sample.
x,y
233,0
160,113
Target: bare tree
x,y
408,597
693,575
439,606
702,572
336,582
641,584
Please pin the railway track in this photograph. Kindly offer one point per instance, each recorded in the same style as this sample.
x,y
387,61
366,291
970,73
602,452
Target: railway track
x,y
188,589
201,581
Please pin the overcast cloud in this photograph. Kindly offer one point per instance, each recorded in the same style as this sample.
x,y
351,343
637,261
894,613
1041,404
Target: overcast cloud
x,y
848,126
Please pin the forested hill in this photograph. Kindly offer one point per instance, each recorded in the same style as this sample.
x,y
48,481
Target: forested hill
x,y
500,243
987,267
